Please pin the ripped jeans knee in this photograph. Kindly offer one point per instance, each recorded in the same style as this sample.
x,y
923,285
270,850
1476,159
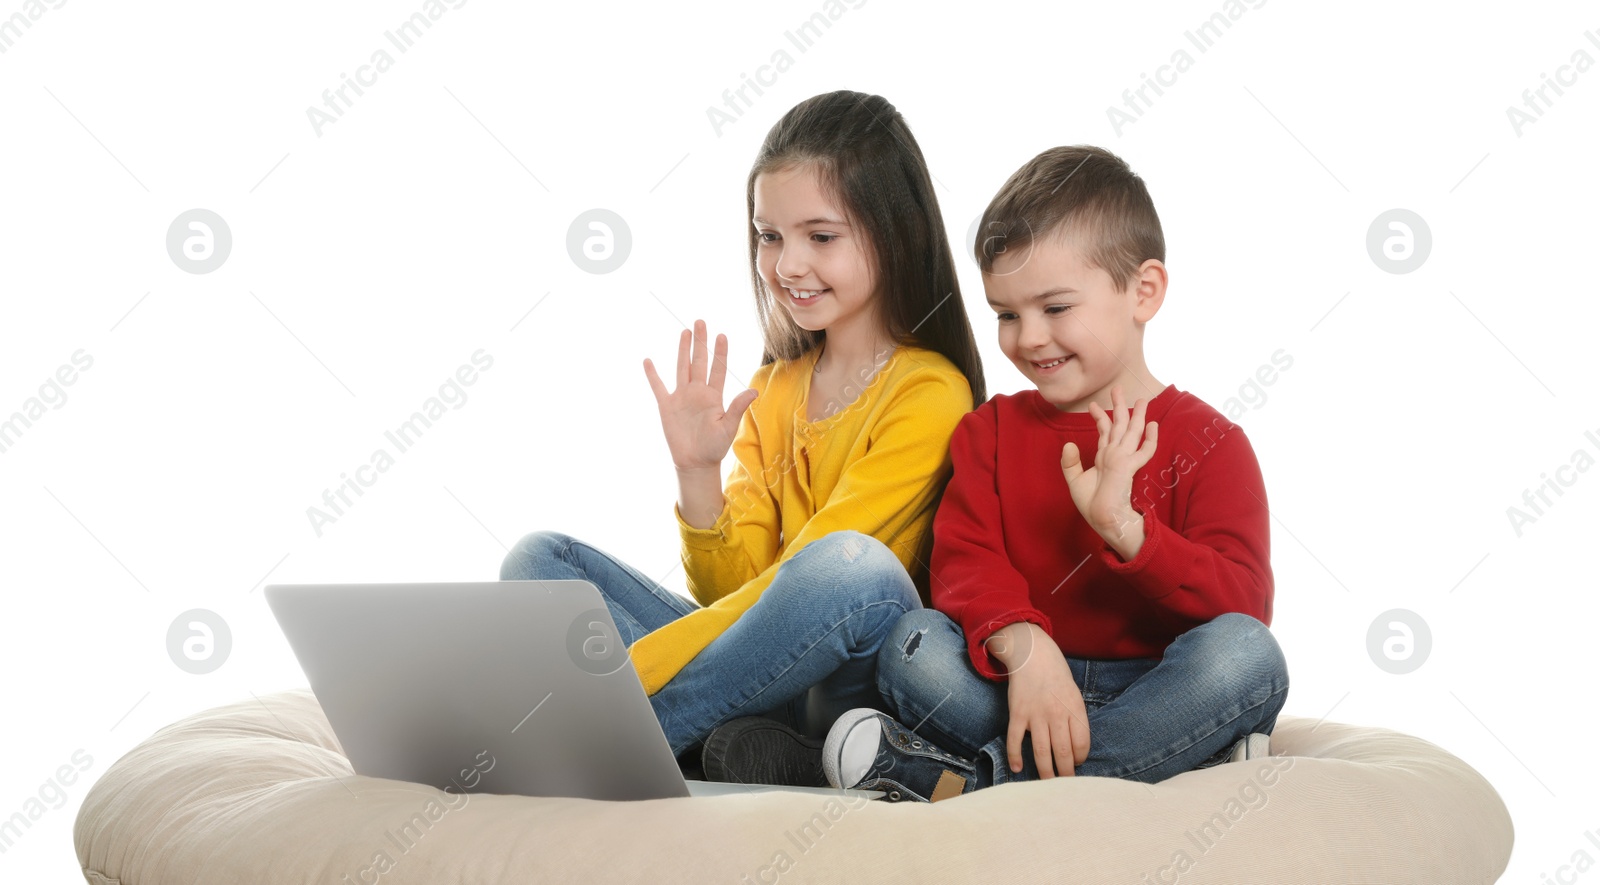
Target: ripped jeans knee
x,y
911,643
924,648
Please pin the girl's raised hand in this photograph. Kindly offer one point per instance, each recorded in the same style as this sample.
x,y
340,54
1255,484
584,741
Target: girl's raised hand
x,y
699,431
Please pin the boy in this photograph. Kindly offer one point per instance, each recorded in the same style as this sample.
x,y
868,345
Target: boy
x,y
1100,603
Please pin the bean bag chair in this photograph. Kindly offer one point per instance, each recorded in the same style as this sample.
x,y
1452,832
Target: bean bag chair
x,y
259,792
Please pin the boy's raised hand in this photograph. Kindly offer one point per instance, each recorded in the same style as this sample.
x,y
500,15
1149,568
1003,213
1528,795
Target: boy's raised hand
x,y
1103,493
1043,699
699,431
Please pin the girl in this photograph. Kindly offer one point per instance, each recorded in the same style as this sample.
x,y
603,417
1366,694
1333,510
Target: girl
x,y
819,541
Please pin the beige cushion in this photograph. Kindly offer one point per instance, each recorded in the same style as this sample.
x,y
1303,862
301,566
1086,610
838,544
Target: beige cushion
x,y
259,792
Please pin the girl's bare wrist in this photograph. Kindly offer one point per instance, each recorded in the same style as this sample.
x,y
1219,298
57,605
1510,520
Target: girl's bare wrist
x,y
696,472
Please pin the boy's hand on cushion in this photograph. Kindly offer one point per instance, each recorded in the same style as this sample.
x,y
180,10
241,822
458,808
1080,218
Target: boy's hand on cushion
x,y
1044,701
1103,493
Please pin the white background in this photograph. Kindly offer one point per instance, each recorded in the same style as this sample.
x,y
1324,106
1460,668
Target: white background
x,y
372,260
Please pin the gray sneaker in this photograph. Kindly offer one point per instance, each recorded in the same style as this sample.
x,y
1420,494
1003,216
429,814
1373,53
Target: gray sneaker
x,y
870,751
1252,746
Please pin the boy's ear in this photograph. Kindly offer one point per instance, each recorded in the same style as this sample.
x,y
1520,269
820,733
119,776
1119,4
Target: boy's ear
x,y
1149,290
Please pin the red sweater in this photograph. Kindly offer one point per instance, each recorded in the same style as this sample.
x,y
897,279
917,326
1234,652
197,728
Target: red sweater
x,y
1010,545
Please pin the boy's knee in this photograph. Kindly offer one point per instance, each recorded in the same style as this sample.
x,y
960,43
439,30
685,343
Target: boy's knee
x,y
919,637
1235,624
532,547
1242,644
922,656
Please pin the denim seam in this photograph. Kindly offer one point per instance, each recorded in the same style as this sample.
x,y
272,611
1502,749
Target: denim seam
x,y
564,554
645,585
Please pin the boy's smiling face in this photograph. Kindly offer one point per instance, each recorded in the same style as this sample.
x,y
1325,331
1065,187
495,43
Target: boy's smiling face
x,y
1069,328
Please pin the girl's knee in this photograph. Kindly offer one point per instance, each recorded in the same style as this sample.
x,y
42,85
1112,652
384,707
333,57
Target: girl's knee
x,y
850,547
857,563
533,547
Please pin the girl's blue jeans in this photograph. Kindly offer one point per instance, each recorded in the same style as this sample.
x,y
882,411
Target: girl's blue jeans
x,y
1149,719
805,653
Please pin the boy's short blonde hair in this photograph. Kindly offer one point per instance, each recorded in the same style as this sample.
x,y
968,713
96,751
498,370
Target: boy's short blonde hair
x,y
1086,194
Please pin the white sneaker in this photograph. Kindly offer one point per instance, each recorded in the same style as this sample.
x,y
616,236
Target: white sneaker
x,y
869,750
1253,746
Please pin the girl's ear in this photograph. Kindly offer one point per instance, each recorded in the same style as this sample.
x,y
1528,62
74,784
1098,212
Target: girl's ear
x,y
1149,290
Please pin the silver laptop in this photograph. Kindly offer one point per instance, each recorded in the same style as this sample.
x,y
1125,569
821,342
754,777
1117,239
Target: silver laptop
x,y
512,687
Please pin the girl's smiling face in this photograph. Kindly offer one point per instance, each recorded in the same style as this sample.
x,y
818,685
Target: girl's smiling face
x,y
813,261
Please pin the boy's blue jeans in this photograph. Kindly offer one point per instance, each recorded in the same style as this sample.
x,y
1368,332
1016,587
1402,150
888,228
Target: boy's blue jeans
x,y
805,653
1148,719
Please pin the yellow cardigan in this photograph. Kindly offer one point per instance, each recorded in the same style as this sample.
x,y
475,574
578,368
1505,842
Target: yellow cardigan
x,y
878,466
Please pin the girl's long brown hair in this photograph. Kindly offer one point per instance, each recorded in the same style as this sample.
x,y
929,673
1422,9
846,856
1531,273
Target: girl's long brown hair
x,y
865,156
